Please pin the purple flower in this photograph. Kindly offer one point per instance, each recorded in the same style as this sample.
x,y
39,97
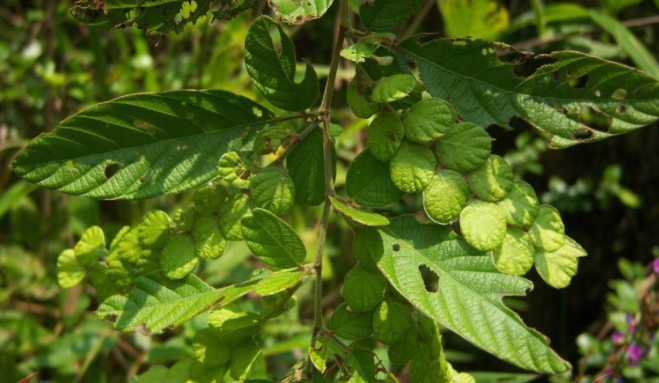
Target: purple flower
x,y
617,337
635,354
655,265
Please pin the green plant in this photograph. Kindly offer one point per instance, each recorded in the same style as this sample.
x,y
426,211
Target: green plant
x,y
431,99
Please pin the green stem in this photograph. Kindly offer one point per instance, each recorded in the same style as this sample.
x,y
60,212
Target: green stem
x,y
324,111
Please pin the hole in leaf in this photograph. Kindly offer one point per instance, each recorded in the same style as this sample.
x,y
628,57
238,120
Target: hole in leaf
x,y
578,83
582,134
430,278
111,170
517,122
459,43
619,94
598,93
396,247
527,68
621,109
555,76
560,108
595,119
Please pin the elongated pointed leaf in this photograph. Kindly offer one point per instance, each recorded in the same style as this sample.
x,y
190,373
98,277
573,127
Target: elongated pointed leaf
x,y
273,69
142,145
563,98
468,301
155,303
272,240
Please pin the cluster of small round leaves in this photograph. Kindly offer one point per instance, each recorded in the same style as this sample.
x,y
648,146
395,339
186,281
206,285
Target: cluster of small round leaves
x,y
451,163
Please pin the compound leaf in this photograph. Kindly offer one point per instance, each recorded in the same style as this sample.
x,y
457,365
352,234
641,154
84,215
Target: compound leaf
x,y
142,145
273,71
468,301
576,97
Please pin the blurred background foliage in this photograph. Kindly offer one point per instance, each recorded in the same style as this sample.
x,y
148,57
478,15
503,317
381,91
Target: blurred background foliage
x,y
52,66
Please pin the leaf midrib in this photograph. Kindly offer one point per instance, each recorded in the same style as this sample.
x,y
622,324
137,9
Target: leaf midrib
x,y
190,137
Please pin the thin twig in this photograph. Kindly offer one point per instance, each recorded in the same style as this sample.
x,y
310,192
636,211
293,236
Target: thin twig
x,y
417,20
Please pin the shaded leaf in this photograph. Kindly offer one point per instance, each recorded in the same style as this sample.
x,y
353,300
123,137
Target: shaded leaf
x,y
384,15
272,240
560,98
273,71
306,167
368,181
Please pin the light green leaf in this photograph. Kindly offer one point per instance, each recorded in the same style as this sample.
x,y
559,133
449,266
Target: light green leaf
x,y
99,278
392,321
306,168
392,88
360,216
385,15
478,19
483,225
91,246
321,350
446,197
358,52
280,282
299,12
514,256
154,230
363,289
210,349
368,181
385,135
232,323
628,42
234,170
272,240
246,360
412,168
351,325
360,102
272,68
547,231
465,275
70,271
155,304
185,219
231,213
493,180
208,240
128,260
428,120
520,207
142,145
558,268
464,147
558,98
178,257
273,189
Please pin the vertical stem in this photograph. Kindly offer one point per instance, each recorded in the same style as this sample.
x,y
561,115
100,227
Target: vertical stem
x,y
324,112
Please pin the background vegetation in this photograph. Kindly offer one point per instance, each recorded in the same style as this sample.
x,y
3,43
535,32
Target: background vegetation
x,y
52,66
